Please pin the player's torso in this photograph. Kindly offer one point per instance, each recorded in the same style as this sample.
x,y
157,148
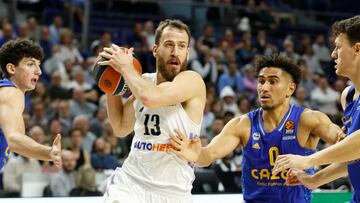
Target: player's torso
x,y
4,149
352,123
259,184
149,160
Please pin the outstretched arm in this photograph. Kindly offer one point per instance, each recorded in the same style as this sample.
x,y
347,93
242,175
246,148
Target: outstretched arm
x,y
220,146
12,124
313,181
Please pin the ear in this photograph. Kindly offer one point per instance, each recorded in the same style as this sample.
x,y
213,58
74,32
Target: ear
x,y
291,90
188,54
154,50
10,68
357,47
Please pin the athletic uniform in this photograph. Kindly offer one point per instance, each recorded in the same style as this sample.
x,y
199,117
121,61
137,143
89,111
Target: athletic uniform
x,y
352,123
259,156
4,149
150,173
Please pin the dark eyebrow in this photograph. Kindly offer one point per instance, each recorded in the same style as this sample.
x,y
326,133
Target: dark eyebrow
x,y
269,77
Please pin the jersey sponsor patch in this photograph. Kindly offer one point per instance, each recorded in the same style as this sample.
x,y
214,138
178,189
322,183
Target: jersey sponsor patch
x,y
256,136
289,127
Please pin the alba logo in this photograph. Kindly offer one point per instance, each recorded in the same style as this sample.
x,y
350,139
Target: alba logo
x,y
256,136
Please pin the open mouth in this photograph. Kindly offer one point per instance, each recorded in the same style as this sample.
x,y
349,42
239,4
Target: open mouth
x,y
174,62
34,80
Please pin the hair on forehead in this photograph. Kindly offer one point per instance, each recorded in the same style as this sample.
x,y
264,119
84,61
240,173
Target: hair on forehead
x,y
178,24
283,63
350,27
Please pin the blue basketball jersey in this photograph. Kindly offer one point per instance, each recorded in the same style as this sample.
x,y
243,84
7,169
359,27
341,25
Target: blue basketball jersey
x,y
352,123
4,149
259,184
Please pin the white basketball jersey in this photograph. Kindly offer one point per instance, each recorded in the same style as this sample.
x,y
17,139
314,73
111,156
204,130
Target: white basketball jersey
x,y
149,163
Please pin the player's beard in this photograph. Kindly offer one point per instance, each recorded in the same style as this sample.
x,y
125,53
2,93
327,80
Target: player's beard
x,y
169,75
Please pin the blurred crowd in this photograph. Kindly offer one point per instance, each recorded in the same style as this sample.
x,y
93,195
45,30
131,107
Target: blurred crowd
x,y
66,100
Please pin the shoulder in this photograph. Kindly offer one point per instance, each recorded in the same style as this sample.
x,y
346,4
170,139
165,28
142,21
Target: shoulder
x,y
344,96
189,73
10,94
311,117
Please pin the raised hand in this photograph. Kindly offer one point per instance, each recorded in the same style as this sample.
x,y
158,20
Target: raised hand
x,y
55,152
118,57
290,161
185,148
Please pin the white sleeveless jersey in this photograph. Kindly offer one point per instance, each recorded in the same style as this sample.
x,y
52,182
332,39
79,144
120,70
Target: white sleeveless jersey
x,y
149,163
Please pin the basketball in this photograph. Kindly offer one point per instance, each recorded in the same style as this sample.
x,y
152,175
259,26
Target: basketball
x,y
110,81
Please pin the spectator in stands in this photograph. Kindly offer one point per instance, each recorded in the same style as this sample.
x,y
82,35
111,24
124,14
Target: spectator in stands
x,y
64,181
37,133
228,98
34,29
55,89
118,146
244,106
289,50
208,118
207,37
64,116
8,33
79,104
232,78
324,98
216,127
13,172
39,115
149,34
45,41
101,158
55,29
217,107
312,62
81,121
82,157
321,51
205,65
250,82
104,41
24,32
300,98
78,79
96,125
68,51
85,182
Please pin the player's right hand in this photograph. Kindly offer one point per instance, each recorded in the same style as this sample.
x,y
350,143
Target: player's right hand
x,y
185,148
55,152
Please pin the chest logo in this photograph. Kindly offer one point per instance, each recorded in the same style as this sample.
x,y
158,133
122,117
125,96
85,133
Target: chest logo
x,y
289,127
256,136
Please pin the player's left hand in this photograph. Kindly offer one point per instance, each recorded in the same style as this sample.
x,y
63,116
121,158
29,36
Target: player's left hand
x,y
185,148
119,58
290,161
55,152
300,177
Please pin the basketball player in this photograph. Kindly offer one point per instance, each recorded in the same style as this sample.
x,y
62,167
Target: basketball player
x,y
275,128
19,61
346,154
173,97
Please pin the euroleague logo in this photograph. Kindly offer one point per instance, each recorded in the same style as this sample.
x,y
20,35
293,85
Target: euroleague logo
x,y
107,83
289,127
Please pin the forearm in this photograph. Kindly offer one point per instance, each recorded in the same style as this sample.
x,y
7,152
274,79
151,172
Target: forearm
x,y
346,150
23,145
205,158
330,173
121,116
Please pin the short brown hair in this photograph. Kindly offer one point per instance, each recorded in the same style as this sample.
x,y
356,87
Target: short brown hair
x,y
350,27
171,23
14,51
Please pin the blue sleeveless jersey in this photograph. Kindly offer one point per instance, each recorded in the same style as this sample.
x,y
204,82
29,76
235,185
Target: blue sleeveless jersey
x,y
352,123
260,153
4,150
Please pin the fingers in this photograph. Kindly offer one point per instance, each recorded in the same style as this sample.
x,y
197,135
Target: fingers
x,y
57,140
176,142
180,134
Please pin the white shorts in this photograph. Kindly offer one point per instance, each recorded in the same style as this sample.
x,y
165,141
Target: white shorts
x,y
121,189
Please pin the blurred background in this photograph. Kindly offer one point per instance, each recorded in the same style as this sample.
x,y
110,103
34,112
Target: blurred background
x,y
228,36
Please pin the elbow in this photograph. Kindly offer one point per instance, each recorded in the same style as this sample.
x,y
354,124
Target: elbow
x,y
12,144
149,101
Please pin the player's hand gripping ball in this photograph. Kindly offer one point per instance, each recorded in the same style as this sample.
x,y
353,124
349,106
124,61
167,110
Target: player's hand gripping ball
x,y
110,81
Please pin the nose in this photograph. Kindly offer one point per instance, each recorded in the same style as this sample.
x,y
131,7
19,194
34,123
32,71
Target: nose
x,y
265,87
334,53
175,51
38,70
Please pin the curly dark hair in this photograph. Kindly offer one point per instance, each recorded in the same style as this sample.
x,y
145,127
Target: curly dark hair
x,y
281,62
350,27
14,51
171,23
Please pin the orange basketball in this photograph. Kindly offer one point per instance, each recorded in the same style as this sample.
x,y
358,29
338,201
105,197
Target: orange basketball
x,y
110,81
